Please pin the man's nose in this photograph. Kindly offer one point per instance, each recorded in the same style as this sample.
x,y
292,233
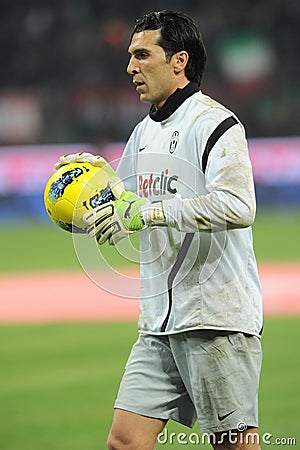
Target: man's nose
x,y
132,67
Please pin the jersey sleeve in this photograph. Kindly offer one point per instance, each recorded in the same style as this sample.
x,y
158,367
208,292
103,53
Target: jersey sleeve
x,y
127,165
230,199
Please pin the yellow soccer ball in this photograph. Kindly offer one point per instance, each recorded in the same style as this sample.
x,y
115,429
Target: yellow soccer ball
x,y
73,190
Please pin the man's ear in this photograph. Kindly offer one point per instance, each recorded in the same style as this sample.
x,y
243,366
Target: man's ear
x,y
180,60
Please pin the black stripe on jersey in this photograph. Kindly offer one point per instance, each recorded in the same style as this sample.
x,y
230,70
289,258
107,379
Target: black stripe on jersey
x,y
178,263
215,136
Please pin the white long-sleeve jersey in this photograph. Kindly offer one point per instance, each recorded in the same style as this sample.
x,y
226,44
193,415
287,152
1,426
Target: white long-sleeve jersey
x,y
201,272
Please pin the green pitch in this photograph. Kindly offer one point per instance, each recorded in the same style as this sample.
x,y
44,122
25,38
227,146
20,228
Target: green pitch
x,y
58,384
43,246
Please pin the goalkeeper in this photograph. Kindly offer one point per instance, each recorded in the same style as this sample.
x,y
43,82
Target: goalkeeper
x,y
189,193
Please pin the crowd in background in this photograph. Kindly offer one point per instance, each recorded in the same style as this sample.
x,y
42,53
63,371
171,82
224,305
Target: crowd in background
x,y
63,66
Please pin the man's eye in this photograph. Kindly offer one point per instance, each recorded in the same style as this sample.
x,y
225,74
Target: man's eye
x,y
142,55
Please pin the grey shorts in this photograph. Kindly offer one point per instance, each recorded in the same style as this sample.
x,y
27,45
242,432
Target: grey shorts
x,y
212,376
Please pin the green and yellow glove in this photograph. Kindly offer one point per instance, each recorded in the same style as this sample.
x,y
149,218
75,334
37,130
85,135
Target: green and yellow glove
x,y
117,219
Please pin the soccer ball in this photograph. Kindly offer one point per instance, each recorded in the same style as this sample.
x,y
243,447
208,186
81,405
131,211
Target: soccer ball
x,y
73,190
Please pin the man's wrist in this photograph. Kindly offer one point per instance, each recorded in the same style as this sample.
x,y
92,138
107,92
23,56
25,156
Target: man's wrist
x,y
153,214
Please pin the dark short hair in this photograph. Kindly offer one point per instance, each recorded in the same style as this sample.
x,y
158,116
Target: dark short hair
x,y
178,32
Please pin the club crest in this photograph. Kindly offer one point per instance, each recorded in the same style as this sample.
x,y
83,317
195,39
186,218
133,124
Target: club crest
x,y
174,141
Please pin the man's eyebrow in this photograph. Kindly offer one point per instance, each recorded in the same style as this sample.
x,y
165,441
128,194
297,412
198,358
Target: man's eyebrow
x,y
138,50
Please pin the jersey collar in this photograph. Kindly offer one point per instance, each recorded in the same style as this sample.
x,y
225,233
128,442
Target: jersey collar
x,y
173,102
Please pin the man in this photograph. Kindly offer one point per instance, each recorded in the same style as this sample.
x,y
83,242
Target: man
x,y
198,354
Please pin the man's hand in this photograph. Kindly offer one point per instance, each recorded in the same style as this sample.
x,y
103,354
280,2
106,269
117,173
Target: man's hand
x,y
81,157
116,183
117,219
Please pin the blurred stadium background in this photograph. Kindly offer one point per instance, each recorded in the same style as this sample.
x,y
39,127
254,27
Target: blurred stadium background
x,y
64,87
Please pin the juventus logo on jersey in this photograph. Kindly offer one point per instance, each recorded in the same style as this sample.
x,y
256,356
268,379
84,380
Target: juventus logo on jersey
x,y
174,141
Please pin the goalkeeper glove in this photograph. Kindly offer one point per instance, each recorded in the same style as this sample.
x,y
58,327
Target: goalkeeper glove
x,y
81,157
117,185
117,219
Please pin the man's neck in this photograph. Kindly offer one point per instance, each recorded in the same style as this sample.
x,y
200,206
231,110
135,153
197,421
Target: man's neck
x,y
173,102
